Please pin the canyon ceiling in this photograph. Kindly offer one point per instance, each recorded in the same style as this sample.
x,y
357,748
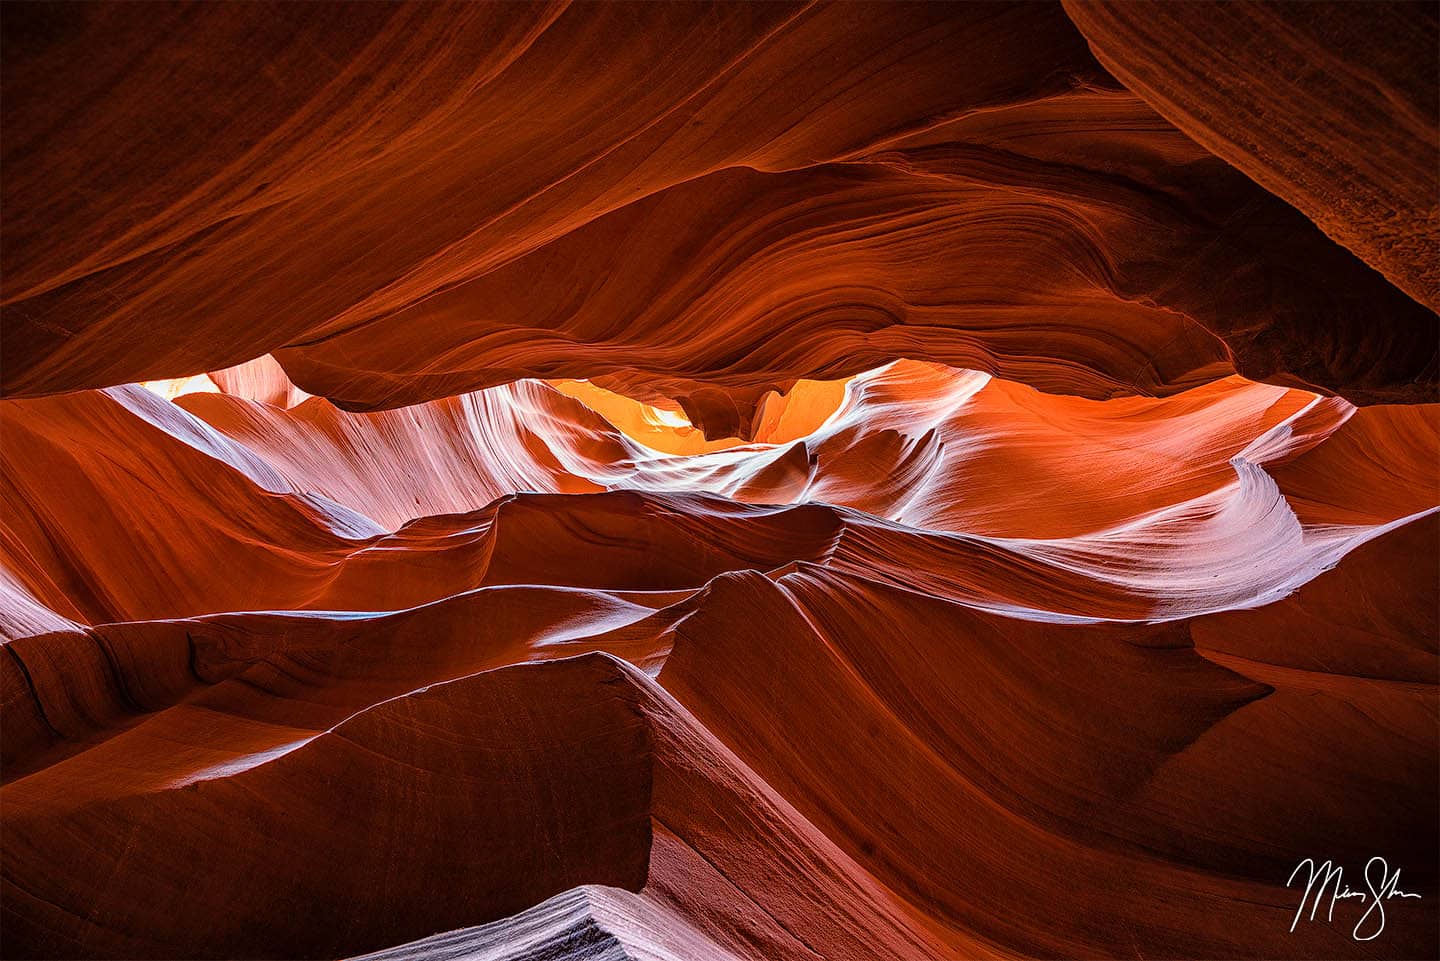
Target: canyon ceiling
x,y
734,481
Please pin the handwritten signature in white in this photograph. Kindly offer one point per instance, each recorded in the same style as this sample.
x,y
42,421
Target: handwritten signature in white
x,y
1380,883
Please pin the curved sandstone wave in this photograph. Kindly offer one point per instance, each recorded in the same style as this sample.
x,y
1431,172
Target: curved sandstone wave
x,y
912,541
311,507
1330,106
801,192
735,772
800,482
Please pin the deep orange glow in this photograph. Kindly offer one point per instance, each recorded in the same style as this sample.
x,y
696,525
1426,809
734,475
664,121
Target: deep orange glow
x,y
782,417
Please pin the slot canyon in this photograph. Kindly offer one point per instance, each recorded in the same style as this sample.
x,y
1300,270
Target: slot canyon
x,y
720,481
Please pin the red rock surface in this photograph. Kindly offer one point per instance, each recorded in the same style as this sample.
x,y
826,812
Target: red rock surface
x,y
1330,106
716,481
795,192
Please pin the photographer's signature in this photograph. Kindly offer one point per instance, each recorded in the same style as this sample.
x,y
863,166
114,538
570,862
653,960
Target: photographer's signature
x,y
1380,884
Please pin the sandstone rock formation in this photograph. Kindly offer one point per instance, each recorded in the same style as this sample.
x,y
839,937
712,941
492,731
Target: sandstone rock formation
x,y
725,481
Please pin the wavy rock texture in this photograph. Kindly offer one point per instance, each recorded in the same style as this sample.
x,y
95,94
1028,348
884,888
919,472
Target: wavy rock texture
x,y
1329,106
722,481
798,192
914,592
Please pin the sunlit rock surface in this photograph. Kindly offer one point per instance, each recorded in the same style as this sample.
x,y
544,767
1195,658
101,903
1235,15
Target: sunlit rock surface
x,y
680,481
